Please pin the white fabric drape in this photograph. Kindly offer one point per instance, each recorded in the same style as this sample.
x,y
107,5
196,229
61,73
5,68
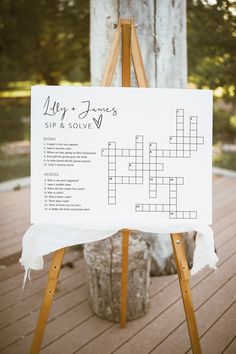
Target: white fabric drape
x,y
41,239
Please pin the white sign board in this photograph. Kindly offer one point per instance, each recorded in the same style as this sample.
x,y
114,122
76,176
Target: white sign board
x,y
120,157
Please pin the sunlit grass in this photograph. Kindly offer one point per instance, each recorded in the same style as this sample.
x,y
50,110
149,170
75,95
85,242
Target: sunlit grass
x,y
22,88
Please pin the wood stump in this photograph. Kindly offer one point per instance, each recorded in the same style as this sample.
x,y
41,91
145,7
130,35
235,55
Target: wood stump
x,y
103,264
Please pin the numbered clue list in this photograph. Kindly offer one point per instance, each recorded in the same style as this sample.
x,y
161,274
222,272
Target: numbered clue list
x,y
60,191
64,152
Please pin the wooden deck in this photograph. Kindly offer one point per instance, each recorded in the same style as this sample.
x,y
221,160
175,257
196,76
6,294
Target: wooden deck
x,y
73,328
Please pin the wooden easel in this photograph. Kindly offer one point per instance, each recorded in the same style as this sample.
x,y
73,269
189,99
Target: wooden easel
x,y
126,36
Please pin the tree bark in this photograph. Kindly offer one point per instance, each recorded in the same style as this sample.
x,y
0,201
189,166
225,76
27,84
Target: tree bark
x,y
103,265
161,29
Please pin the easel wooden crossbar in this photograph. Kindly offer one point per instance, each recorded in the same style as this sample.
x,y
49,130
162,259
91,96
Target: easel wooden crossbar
x,y
126,38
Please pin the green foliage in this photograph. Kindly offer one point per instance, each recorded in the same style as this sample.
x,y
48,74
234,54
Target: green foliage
x,y
14,167
212,44
223,128
225,160
44,40
13,125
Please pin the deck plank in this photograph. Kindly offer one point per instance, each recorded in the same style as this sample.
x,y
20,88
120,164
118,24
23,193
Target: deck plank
x,y
72,328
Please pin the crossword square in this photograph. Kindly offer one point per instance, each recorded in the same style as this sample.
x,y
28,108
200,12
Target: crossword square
x,y
152,167
152,187
139,138
187,153
138,207
173,153
152,173
125,180
172,180
180,126
179,132
131,166
172,140
193,126
193,147
173,187
119,153
152,207
173,207
145,207
166,180
118,180
186,140
159,207
132,152
112,186
186,214
132,180
180,147
193,119
152,194
139,173
159,180
160,153
139,152
180,119
112,173
152,180
152,159
180,180
139,180
153,153
112,193
112,180
193,215
111,152
193,140
125,152
139,146
200,140
139,166
152,145
180,154
173,194
111,200
139,159
104,152
112,145
193,133
180,140
112,166
179,214
179,112
172,215
166,153
166,207
172,201
112,159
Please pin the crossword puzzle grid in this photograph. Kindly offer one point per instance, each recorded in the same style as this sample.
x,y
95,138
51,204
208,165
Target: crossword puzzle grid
x,y
184,146
137,172
171,208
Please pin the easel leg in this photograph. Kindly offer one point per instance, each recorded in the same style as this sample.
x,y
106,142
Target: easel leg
x,y
184,275
124,277
47,301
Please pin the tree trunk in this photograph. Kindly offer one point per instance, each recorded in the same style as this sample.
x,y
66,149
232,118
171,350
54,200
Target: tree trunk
x,y
103,265
161,28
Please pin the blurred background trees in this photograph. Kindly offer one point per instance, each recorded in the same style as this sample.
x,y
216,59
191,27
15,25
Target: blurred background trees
x,y
44,41
47,42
